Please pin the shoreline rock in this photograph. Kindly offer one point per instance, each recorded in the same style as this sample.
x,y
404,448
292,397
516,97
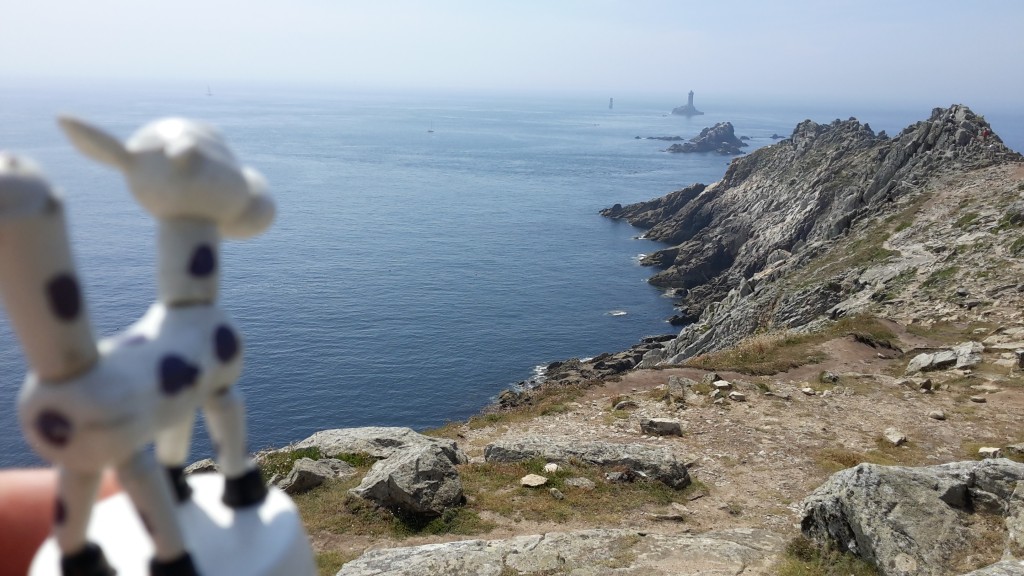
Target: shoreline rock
x,y
720,138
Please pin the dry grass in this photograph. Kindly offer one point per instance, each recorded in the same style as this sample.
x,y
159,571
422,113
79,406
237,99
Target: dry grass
x,y
836,458
494,487
986,539
762,354
774,352
805,558
330,511
551,398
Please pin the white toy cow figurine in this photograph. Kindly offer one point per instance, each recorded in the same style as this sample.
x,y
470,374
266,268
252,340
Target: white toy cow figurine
x,y
88,406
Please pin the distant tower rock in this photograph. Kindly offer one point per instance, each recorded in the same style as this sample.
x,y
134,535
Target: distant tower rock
x,y
611,102
687,110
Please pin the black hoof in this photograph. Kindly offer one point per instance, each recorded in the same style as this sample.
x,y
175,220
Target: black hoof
x,y
180,566
246,490
89,562
182,491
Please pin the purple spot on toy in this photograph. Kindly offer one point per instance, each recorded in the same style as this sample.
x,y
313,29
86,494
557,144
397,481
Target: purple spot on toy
x,y
65,297
226,343
176,374
203,262
54,426
60,512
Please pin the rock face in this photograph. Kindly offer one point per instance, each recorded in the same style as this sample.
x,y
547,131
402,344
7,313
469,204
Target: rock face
x,y
378,442
420,481
583,553
913,521
651,462
719,138
768,247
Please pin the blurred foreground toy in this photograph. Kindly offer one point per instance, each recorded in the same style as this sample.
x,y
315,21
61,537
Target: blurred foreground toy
x,y
88,406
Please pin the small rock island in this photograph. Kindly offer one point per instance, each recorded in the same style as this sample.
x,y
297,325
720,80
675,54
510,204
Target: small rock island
x,y
687,110
719,138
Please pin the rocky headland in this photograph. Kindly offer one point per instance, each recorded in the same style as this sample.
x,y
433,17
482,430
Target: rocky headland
x,y
847,397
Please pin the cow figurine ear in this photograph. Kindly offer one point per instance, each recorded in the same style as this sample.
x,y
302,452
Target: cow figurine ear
x,y
184,153
95,143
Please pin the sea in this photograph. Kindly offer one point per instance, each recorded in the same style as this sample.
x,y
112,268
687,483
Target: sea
x,y
430,249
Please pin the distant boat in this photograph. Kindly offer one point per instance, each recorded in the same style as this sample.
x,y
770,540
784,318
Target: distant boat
x,y
208,91
431,129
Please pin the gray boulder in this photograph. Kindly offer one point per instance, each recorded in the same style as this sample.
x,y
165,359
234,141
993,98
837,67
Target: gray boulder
x,y
909,521
963,355
582,553
651,462
661,427
421,482
307,474
379,442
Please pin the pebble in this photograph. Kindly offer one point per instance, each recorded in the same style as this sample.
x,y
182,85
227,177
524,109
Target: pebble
x,y
978,399
937,415
895,437
533,480
988,452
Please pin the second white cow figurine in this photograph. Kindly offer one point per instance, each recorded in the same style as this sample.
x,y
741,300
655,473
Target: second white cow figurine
x,y
88,406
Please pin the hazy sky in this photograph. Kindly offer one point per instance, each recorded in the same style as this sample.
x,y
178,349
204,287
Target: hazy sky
x,y
932,51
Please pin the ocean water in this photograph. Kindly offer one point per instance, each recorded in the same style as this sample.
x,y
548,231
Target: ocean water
x,y
410,275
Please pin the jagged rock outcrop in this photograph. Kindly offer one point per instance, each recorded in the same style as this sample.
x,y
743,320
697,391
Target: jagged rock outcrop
x,y
720,138
651,462
584,552
916,521
420,482
751,252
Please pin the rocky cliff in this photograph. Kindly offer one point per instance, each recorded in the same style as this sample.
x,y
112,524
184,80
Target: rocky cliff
x,y
822,223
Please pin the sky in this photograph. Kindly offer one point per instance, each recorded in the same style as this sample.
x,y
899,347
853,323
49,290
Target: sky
x,y
910,51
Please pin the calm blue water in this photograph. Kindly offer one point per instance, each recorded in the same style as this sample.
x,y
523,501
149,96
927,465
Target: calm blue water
x,y
410,276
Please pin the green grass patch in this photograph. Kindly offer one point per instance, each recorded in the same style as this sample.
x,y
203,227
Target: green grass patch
x,y
1016,247
281,462
965,220
1012,219
328,562
940,278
